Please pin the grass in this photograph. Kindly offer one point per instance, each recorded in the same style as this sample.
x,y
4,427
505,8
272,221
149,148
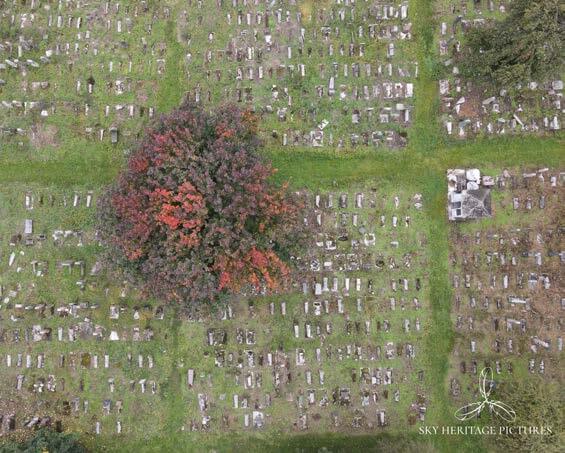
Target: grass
x,y
305,443
328,171
424,135
328,168
170,89
76,169
78,163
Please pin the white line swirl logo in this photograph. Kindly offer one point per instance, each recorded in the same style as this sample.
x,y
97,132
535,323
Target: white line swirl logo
x,y
472,410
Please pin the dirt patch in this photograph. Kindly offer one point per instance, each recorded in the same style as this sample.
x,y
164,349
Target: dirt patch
x,y
41,136
143,88
472,107
309,7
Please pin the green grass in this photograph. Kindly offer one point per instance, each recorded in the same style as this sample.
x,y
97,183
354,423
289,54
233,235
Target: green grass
x,y
170,89
385,443
328,168
425,134
94,167
78,163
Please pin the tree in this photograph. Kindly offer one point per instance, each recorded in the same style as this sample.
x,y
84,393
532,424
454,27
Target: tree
x,y
527,45
194,215
46,440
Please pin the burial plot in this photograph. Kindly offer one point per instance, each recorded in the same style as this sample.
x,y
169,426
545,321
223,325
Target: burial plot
x,y
93,66
337,354
505,275
58,313
332,74
318,74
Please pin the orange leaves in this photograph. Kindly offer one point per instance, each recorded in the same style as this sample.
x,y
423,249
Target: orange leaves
x,y
184,211
266,267
133,255
251,121
258,259
189,240
224,280
166,216
139,164
163,193
256,268
227,133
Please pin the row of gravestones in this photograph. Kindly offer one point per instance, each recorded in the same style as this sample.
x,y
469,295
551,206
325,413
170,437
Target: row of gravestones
x,y
314,137
83,330
283,37
341,201
505,310
87,360
100,30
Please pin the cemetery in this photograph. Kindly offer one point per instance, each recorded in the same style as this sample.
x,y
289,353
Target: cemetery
x,y
433,207
507,294
340,353
341,76
470,110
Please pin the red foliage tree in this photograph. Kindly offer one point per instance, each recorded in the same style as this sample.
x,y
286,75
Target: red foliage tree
x,y
194,214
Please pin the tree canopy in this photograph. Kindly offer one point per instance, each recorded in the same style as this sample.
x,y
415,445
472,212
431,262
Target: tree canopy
x,y
194,215
527,45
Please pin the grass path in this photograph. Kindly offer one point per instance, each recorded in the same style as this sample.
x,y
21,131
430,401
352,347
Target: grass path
x,y
176,411
171,91
439,339
425,134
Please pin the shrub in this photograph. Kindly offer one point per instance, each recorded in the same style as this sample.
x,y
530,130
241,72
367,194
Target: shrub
x,y
194,215
45,440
